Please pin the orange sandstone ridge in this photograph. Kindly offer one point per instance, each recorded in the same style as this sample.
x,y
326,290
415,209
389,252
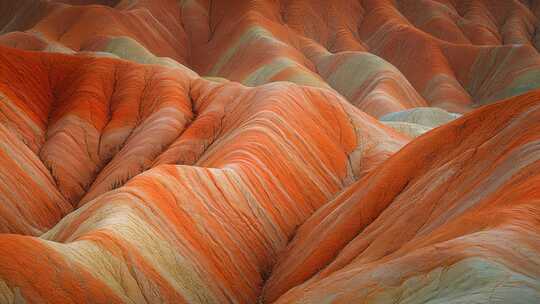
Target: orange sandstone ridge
x,y
263,151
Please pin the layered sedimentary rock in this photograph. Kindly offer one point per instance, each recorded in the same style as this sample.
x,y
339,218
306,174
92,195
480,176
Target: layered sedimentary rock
x,y
264,151
428,225
254,163
417,121
451,54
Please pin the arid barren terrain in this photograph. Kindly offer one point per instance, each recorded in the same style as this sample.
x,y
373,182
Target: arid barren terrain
x,y
270,151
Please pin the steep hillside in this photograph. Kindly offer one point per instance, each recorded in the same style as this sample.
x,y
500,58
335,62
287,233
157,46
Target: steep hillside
x,y
270,151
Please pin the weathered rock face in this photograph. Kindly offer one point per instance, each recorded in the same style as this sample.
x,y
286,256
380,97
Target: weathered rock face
x,y
262,151
251,165
417,121
429,224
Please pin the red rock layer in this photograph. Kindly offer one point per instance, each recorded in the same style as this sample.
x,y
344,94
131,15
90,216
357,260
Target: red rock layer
x,y
453,54
454,215
132,179
261,161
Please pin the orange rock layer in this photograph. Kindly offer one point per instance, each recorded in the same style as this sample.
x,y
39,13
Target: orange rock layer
x,y
231,152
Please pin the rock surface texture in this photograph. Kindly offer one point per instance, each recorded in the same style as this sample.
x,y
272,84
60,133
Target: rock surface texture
x,y
270,151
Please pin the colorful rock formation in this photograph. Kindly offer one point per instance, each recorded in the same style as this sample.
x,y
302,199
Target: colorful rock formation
x,y
265,151
417,121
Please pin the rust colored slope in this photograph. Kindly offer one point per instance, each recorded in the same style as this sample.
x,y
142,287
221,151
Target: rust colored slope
x,y
21,15
91,109
471,52
31,203
81,27
414,36
440,204
146,183
178,233
152,26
